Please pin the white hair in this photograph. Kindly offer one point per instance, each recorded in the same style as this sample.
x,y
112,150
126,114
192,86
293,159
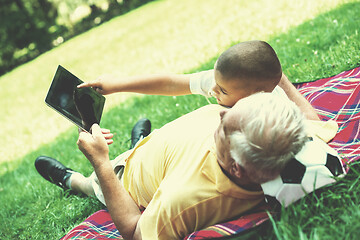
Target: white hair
x,y
269,135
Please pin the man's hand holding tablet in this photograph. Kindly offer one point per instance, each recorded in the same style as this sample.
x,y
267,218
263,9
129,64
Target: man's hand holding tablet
x,y
80,104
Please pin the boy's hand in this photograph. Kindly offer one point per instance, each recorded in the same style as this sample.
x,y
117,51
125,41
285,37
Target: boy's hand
x,y
103,84
94,146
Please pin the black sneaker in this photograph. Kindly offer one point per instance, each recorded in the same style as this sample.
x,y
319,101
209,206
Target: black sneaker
x,y
53,171
141,129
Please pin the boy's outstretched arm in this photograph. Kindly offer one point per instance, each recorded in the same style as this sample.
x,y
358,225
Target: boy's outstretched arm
x,y
294,95
160,84
123,210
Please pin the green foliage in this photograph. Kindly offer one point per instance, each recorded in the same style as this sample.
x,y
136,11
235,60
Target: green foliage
x,y
29,28
24,30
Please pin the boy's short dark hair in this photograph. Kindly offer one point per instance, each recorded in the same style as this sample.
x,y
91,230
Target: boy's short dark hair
x,y
250,61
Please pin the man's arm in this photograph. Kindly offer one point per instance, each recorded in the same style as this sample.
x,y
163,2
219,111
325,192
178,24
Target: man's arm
x,y
166,84
123,210
294,95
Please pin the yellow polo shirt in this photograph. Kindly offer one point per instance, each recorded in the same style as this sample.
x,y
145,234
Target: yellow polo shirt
x,y
174,174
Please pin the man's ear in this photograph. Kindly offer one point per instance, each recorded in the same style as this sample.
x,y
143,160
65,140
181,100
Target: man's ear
x,y
236,170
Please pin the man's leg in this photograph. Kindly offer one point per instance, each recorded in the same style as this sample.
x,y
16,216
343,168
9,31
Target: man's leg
x,y
56,173
140,130
81,184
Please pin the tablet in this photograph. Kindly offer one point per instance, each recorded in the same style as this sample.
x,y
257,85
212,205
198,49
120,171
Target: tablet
x,y
82,106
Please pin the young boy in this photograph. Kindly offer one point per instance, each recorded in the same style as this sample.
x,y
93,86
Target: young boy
x,y
240,71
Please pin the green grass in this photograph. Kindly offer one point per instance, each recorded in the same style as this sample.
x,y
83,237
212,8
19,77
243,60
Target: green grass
x,y
166,36
162,36
323,46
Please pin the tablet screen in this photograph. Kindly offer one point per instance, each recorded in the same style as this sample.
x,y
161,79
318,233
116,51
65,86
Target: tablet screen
x,y
83,106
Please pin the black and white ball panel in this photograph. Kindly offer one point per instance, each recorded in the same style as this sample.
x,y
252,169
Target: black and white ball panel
x,y
313,167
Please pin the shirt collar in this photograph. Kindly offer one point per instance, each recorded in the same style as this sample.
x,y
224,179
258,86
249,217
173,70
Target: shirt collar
x,y
212,170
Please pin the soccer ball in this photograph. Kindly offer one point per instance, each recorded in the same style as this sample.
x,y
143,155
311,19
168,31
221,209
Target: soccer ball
x,y
313,167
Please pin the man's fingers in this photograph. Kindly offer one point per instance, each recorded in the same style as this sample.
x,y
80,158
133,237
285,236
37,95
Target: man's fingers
x,y
83,137
96,130
80,130
105,131
108,135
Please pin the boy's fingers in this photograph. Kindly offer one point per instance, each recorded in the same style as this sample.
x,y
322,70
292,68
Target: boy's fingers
x,y
89,84
99,90
82,85
96,85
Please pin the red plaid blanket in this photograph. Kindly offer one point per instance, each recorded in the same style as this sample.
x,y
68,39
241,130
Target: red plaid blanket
x,y
336,98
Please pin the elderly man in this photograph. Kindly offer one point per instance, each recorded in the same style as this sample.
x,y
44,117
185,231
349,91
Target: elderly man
x,y
193,172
